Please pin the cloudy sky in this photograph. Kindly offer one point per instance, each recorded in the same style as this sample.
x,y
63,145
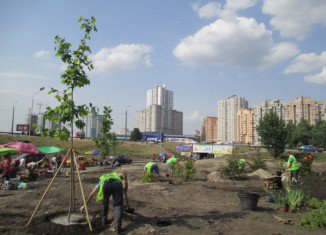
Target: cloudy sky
x,y
202,50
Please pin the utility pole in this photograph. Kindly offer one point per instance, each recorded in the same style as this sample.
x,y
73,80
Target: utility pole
x,y
40,107
126,122
31,111
13,118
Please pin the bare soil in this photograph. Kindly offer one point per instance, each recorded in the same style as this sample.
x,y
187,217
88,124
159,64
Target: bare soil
x,y
168,206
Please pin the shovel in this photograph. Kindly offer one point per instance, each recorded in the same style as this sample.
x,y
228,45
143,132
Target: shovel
x,y
129,209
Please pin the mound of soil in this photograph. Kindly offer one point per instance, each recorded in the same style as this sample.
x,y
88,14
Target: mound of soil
x,y
261,174
315,184
215,176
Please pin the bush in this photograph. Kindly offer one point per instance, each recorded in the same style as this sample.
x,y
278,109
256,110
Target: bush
x,y
295,197
315,203
232,168
185,172
258,163
315,218
281,200
148,178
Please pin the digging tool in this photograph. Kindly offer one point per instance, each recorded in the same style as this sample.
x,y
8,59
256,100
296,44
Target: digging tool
x,y
129,209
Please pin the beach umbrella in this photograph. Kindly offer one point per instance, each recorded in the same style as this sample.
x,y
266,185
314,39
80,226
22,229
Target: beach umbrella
x,y
163,155
22,147
4,151
96,152
50,149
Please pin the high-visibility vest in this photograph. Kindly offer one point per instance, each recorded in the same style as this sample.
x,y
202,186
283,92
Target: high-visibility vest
x,y
103,179
148,166
172,160
295,165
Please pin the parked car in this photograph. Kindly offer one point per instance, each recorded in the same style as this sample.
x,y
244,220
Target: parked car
x,y
120,160
307,148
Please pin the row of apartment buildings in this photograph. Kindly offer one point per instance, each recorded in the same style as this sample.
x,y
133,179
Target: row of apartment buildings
x,y
235,122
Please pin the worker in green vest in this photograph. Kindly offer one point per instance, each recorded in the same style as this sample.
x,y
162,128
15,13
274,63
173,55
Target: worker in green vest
x,y
241,164
293,167
151,167
110,184
171,164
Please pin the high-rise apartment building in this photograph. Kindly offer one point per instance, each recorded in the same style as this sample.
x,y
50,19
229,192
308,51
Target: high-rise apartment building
x,y
159,115
209,129
245,126
160,96
304,108
260,110
227,117
93,125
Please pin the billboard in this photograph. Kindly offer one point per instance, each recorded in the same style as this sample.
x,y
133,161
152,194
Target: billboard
x,y
203,148
222,149
22,127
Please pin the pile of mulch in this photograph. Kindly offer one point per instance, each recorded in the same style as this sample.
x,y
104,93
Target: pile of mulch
x,y
315,184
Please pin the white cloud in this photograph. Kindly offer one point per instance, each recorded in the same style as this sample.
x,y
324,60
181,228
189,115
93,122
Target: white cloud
x,y
210,10
241,42
306,63
226,11
295,18
318,78
21,75
42,54
195,116
122,57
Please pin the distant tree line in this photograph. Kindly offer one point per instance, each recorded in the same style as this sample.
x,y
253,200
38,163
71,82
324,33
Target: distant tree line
x,y
275,134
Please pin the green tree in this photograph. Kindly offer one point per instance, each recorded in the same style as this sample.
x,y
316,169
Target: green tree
x,y
302,134
290,128
319,134
67,112
107,142
273,133
135,135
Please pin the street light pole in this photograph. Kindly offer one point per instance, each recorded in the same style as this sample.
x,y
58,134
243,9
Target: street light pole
x,y
126,122
31,111
13,118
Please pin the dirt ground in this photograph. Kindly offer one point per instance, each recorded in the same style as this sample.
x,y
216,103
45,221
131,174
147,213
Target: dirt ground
x,y
197,206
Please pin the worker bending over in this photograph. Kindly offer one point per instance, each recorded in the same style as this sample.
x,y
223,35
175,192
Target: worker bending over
x,y
151,168
111,184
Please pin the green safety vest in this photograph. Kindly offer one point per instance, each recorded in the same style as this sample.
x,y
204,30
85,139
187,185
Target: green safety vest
x,y
295,165
171,160
241,163
148,166
103,179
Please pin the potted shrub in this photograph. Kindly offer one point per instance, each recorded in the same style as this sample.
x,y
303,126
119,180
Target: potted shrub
x,y
281,202
294,198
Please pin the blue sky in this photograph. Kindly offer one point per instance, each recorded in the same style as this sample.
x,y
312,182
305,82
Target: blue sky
x,y
202,50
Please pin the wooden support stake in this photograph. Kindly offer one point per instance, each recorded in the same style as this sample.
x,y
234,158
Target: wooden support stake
x,y
47,189
82,192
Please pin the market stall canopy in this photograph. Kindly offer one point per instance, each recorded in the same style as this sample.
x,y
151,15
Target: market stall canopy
x,y
22,147
50,149
4,151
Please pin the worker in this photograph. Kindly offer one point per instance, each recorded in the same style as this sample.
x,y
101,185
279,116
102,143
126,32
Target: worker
x,y
293,167
171,164
241,164
151,167
110,184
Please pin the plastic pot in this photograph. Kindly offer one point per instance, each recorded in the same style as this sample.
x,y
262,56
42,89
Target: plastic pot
x,y
248,200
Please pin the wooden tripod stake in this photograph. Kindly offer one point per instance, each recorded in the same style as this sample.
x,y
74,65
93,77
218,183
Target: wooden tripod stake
x,y
73,161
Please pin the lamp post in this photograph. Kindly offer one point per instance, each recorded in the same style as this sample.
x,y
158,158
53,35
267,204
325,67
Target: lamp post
x,y
13,118
31,111
126,122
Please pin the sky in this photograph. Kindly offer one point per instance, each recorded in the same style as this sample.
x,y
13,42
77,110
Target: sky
x,y
201,50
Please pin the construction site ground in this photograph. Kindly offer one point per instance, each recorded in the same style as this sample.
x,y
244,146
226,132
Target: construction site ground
x,y
168,206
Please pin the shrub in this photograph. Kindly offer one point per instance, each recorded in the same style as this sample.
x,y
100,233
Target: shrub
x,y
232,168
315,218
258,163
185,172
281,200
315,203
295,197
148,178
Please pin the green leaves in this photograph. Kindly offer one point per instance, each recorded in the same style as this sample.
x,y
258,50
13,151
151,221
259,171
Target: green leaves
x,y
67,112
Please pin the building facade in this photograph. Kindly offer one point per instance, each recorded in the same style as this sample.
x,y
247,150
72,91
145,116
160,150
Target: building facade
x,y
245,126
209,129
159,115
93,125
227,111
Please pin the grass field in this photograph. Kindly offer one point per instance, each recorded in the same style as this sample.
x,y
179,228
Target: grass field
x,y
140,149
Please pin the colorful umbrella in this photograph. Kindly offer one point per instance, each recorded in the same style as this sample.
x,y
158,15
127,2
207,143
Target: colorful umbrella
x,y
163,155
96,152
50,149
4,151
22,147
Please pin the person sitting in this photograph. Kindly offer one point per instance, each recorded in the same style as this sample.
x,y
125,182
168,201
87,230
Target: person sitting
x,y
8,170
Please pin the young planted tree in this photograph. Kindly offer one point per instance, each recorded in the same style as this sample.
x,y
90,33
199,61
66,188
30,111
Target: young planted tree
x,y
273,133
68,113
107,142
